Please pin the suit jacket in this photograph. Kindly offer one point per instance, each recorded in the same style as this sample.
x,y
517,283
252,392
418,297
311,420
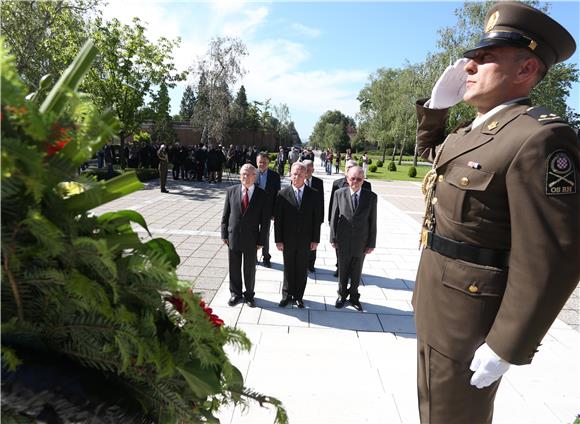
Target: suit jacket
x,y
340,183
244,231
272,189
354,231
293,226
495,189
318,185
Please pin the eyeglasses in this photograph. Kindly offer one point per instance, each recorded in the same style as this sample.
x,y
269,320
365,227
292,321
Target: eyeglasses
x,y
355,179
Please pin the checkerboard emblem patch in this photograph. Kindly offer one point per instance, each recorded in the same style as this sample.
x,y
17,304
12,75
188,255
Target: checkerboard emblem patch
x,y
560,174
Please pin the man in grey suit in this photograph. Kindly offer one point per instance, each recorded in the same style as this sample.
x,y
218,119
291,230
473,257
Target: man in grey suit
x,y
338,184
318,185
297,231
269,181
244,220
353,233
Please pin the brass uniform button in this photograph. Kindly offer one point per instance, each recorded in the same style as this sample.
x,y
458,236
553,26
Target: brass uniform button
x,y
441,178
434,201
473,288
464,181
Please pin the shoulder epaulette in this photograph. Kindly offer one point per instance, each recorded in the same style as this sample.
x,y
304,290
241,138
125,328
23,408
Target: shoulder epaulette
x,y
543,115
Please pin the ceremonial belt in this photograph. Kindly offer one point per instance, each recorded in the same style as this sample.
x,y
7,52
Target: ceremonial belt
x,y
466,252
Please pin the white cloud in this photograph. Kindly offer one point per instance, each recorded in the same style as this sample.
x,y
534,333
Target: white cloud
x,y
247,25
305,30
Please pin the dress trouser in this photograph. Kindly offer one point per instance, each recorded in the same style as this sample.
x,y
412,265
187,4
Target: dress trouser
x,y
349,268
295,273
445,395
311,259
163,167
235,264
266,248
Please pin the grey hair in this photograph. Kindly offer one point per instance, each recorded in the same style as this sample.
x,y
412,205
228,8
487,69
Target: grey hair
x,y
299,165
308,162
357,169
249,166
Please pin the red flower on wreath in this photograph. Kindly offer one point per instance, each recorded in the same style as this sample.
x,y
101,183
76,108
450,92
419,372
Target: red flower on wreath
x,y
217,321
61,136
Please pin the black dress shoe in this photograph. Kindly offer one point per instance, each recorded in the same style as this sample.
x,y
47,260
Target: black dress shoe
x,y
300,303
164,191
356,304
234,300
311,269
267,264
335,273
340,302
251,303
284,302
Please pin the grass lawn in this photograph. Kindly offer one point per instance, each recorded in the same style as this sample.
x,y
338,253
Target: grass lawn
x,y
401,174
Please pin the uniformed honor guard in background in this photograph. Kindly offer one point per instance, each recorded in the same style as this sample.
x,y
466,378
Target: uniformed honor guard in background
x,y
502,227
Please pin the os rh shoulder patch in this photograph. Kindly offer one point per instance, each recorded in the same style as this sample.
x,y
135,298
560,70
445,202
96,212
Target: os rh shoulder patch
x,y
560,174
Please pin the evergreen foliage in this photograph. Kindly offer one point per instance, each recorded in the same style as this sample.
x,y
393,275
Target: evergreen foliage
x,y
85,292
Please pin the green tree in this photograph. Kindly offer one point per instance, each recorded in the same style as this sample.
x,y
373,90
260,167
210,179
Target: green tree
x,y
330,131
187,104
127,69
162,123
44,36
240,109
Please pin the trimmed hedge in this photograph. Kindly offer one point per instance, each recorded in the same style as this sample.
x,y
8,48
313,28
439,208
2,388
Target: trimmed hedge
x,y
412,172
373,168
391,166
380,163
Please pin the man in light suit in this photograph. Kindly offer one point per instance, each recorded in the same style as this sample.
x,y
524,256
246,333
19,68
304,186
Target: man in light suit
x,y
297,231
318,185
353,233
340,183
269,181
244,220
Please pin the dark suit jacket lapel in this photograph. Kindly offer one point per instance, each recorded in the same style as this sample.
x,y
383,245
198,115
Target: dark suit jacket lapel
x,y
460,143
292,197
237,200
348,200
363,201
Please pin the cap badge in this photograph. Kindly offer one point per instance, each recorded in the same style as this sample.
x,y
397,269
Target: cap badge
x,y
492,125
492,21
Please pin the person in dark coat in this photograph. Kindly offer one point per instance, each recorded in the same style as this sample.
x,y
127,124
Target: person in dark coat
x,y
163,167
243,228
501,230
297,231
281,161
338,184
268,181
318,185
353,233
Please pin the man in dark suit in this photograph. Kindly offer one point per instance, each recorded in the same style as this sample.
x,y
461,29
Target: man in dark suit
x,y
243,230
353,233
318,185
338,184
268,181
297,231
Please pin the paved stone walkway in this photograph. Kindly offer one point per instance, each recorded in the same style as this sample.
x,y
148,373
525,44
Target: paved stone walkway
x,y
342,366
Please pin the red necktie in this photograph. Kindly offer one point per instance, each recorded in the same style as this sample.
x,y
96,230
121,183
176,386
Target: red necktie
x,y
245,201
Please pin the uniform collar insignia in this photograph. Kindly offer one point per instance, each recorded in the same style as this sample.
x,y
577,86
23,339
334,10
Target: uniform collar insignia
x,y
493,125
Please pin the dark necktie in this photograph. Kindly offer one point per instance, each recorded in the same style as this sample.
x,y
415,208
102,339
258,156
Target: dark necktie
x,y
355,200
245,201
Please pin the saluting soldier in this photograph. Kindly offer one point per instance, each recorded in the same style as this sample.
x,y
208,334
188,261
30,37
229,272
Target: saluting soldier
x,y
502,227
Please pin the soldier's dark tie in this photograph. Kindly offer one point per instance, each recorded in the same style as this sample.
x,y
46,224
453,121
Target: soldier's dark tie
x,y
245,201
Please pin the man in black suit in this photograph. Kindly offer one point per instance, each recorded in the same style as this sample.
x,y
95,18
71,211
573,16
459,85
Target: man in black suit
x,y
268,181
353,233
243,230
297,231
318,185
338,184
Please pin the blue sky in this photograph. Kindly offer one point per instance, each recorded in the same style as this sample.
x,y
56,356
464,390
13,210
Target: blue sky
x,y
312,56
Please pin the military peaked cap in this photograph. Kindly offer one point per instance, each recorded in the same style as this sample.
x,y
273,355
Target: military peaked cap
x,y
518,25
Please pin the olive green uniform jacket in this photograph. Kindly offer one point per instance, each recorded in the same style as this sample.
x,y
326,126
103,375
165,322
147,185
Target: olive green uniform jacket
x,y
500,186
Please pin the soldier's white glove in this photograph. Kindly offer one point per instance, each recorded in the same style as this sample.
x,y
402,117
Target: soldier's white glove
x,y
487,367
450,87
